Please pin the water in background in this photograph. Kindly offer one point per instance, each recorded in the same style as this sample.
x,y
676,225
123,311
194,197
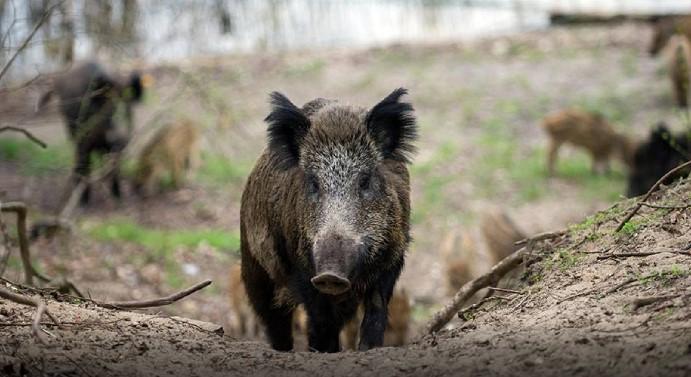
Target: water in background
x,y
164,30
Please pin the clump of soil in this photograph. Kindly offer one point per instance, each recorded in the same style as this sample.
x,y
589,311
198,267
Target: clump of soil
x,y
578,312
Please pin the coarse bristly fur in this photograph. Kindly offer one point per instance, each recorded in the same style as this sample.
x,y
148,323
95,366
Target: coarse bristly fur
x,y
660,153
89,99
589,131
329,197
665,27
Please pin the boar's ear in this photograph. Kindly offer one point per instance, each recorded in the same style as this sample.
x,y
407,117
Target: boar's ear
x,y
287,126
392,124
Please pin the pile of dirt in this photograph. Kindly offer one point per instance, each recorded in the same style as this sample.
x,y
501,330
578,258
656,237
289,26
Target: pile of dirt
x,y
591,302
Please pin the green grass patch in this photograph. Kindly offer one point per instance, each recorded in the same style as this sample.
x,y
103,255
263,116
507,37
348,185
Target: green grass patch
x,y
122,230
33,159
217,169
666,277
312,67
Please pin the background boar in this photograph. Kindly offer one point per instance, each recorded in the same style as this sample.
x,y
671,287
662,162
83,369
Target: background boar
x,y
173,149
325,218
589,131
244,323
661,153
665,27
89,98
679,60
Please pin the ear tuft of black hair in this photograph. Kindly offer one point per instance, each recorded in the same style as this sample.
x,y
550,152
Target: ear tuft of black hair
x,y
392,124
288,125
136,87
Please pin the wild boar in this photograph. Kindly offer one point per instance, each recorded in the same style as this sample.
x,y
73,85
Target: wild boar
x,y
89,99
665,27
679,61
589,131
244,323
500,234
172,149
325,217
660,153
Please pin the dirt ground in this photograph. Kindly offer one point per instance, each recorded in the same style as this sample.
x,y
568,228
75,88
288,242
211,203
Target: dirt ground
x,y
478,105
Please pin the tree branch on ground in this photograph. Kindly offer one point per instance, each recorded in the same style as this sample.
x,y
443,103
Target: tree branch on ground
x,y
20,210
41,309
167,300
649,193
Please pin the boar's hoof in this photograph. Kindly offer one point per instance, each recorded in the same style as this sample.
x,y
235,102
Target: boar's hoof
x,y
330,283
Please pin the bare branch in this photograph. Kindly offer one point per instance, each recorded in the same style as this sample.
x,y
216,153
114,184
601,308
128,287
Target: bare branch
x,y
643,301
41,309
540,237
26,133
29,270
28,38
154,302
650,192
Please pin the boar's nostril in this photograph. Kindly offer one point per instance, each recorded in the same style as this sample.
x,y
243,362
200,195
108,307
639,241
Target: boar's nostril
x,y
330,283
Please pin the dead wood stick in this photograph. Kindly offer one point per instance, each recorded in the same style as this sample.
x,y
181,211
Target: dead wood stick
x,y
154,302
540,237
41,309
660,206
26,133
643,301
505,290
29,270
649,193
442,317
643,254
28,38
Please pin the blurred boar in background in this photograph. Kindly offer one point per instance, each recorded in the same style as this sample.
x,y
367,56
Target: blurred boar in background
x,y
89,99
679,63
173,149
665,27
325,218
661,153
589,131
244,323
396,333
458,255
500,234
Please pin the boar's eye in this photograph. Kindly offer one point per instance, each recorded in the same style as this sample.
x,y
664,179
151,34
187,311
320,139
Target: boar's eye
x,y
366,185
312,187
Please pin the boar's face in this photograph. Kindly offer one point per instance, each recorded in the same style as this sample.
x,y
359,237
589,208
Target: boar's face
x,y
349,199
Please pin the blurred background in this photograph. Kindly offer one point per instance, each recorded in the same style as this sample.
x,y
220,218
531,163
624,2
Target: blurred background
x,y
481,74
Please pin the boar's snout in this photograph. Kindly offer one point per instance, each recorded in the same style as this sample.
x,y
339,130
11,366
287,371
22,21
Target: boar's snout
x,y
334,260
331,284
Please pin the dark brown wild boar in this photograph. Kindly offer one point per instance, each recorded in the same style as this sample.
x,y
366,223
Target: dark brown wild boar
x,y
90,98
325,218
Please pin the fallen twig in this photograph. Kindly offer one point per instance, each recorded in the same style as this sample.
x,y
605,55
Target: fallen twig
x,y
29,270
540,237
505,290
643,254
649,193
26,133
660,206
38,315
154,302
643,301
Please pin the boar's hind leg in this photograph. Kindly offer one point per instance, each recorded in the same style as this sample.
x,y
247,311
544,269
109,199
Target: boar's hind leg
x,y
260,290
376,312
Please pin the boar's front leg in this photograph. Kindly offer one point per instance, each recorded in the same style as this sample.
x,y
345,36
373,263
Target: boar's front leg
x,y
326,320
376,312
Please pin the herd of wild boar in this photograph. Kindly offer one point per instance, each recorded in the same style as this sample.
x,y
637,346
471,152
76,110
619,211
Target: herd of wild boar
x,y
325,213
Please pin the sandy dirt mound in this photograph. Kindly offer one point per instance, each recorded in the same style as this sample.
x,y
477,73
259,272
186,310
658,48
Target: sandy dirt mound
x,y
578,313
